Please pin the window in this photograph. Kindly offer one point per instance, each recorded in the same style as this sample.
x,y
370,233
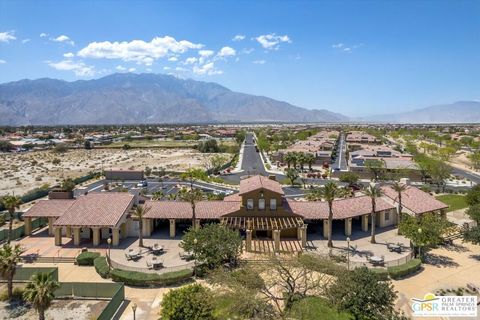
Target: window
x,y
249,204
387,215
273,204
261,204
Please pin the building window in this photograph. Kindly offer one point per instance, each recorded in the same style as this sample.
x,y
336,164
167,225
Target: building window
x,y
387,215
273,204
249,204
261,204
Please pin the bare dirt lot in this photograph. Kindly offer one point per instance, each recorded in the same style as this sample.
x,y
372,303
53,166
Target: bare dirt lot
x,y
22,172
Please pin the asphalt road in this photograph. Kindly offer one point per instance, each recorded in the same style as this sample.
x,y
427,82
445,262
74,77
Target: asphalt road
x,y
466,174
341,159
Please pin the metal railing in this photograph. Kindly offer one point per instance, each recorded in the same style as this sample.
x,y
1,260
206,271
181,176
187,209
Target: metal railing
x,y
386,264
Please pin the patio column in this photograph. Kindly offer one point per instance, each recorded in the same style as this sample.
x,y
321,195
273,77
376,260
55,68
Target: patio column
x,y
146,228
348,226
50,226
115,237
76,236
299,233
304,235
172,228
96,236
365,222
248,243
28,226
276,240
325,229
68,231
58,236
197,224
123,230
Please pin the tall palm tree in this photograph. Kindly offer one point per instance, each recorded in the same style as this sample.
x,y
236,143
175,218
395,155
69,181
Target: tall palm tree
x,y
310,160
139,213
399,188
192,195
301,158
329,193
40,292
11,203
374,192
9,258
289,158
158,195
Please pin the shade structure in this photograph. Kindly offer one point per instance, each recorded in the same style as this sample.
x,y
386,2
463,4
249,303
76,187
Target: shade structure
x,y
263,223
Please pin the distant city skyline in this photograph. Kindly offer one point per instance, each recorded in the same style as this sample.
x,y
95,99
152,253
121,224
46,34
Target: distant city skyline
x,y
353,57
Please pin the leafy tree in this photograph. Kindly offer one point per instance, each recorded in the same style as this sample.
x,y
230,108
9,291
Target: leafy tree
x,y
61,148
192,195
194,174
376,167
240,136
474,158
310,160
68,185
473,234
361,293
148,171
139,213
39,291
11,203
190,302
214,244
158,195
9,258
5,146
439,171
214,163
374,192
349,177
209,146
292,175
290,158
473,195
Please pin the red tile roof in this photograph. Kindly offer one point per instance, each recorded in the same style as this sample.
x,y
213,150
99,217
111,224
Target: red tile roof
x,y
183,209
49,208
97,209
342,208
259,182
415,199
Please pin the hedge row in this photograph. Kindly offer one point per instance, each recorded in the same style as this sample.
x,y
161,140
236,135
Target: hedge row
x,y
381,273
405,269
141,279
86,258
101,266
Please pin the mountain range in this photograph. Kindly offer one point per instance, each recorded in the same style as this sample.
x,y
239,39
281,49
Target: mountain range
x,y
127,98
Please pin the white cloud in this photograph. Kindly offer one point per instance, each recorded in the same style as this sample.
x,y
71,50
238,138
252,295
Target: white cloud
x,y
120,68
337,45
173,59
166,68
140,51
238,37
206,69
205,53
181,69
272,41
25,40
131,70
226,51
68,55
344,48
259,61
43,35
7,36
247,51
190,60
79,68
2,61
63,38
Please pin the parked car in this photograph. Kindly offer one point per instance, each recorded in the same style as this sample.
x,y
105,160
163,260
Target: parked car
x,y
142,184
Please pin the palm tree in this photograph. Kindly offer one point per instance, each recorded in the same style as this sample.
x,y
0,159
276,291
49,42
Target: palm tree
x,y
301,159
295,159
289,157
11,203
9,258
139,213
310,160
193,195
40,292
158,195
329,193
399,188
374,192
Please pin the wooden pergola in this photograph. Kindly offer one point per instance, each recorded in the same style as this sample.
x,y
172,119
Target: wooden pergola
x,y
262,223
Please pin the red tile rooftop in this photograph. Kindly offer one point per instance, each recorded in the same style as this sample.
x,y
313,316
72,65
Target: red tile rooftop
x,y
415,200
183,210
259,182
49,208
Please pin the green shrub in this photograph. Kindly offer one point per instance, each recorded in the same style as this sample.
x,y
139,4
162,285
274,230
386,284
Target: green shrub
x,y
17,294
311,308
86,258
405,269
382,273
101,266
142,279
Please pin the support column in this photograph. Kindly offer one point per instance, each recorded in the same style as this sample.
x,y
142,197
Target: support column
x,y
172,228
325,229
58,236
115,237
68,231
123,230
96,237
348,226
299,233
248,243
365,222
28,226
276,240
76,236
50,226
304,235
197,224
146,228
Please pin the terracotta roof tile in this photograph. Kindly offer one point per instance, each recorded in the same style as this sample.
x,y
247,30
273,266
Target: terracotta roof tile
x,y
259,182
49,208
415,199
183,209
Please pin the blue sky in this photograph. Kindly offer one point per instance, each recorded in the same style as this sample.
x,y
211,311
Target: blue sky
x,y
352,57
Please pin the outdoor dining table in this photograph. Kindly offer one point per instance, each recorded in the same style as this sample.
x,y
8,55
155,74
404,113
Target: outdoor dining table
x,y
376,260
132,254
157,249
154,263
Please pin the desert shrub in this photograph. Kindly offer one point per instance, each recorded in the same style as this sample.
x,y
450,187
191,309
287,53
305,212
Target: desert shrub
x,y
86,258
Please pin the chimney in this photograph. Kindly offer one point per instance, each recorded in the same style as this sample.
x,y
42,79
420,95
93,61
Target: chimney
x,y
136,195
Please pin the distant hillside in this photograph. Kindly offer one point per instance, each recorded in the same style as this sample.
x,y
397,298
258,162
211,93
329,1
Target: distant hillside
x,y
141,98
458,112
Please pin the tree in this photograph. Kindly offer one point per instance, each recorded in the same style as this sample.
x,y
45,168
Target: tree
x,y
139,213
68,185
39,291
473,234
374,192
363,294
61,148
88,145
292,175
376,167
439,171
192,195
148,171
474,158
9,258
209,146
11,203
310,160
214,244
213,163
158,195
399,188
290,158
240,136
301,158
190,302
5,146
349,177
473,195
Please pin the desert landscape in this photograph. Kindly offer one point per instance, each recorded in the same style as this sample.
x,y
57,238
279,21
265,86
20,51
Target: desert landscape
x,y
22,172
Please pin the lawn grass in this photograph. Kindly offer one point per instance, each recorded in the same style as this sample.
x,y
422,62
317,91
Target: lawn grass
x,y
454,201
